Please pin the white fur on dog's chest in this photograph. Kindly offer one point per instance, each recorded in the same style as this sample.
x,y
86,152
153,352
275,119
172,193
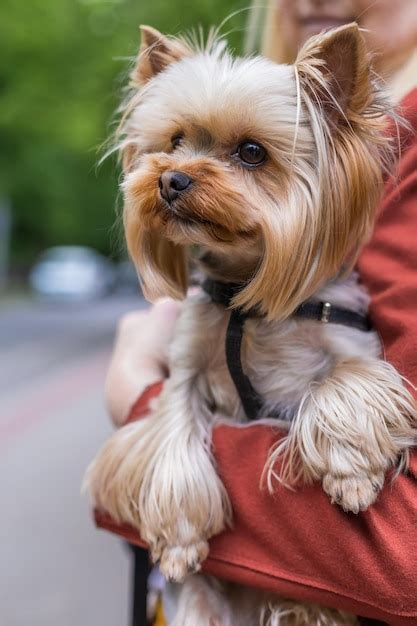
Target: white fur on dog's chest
x,y
282,359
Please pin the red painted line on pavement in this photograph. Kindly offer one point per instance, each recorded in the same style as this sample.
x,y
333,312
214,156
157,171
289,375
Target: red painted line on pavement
x,y
56,394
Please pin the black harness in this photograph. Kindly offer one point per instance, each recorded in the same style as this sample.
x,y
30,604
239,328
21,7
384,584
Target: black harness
x,y
223,294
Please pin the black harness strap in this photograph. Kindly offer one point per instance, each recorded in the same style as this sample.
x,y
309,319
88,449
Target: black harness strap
x,y
223,293
249,397
328,313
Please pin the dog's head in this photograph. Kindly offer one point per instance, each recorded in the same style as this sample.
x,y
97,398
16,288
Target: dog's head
x,y
275,170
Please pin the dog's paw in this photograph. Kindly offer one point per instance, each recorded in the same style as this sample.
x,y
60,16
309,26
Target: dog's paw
x,y
354,493
156,547
179,561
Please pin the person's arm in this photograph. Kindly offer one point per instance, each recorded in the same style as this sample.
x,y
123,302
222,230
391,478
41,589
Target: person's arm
x,y
139,357
299,545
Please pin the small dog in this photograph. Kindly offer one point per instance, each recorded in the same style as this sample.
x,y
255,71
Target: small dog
x,y
272,172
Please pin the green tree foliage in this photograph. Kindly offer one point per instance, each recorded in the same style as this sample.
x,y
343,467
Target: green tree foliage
x,y
61,69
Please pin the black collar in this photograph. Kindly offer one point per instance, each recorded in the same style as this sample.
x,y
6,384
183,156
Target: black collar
x,y
223,293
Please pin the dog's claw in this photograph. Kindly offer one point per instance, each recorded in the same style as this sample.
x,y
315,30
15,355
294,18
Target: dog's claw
x,y
156,549
353,493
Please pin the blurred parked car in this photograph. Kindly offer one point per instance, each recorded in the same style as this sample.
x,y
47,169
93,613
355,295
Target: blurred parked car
x,y
72,273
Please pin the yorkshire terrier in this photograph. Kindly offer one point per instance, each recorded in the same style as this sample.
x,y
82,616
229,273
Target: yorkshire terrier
x,y
269,175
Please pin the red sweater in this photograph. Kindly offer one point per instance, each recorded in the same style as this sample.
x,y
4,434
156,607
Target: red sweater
x,y
297,544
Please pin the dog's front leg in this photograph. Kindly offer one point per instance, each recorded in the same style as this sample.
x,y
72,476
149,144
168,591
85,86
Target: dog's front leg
x,y
350,428
182,501
158,475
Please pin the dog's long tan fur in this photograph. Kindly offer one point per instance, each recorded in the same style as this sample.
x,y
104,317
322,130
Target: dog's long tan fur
x,y
291,230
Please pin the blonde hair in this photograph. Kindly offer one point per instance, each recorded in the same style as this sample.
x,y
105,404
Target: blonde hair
x,y
264,33
273,43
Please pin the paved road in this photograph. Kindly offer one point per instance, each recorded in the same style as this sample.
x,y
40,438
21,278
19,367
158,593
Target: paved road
x,y
55,568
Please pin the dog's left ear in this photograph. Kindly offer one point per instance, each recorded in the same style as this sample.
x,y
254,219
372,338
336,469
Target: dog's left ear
x,y
155,54
161,265
334,68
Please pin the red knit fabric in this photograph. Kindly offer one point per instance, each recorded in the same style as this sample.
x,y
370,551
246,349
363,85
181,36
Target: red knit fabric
x,y
297,544
141,406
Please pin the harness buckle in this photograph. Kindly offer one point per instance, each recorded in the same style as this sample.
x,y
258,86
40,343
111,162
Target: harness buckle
x,y
325,312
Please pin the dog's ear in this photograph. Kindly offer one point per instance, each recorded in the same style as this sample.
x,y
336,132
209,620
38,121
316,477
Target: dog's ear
x,y
163,269
161,264
329,209
155,54
334,69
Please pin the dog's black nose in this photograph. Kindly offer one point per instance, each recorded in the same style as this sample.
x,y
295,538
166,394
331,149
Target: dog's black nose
x,y
171,184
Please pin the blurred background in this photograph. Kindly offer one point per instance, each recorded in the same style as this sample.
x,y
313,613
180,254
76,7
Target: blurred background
x,y
64,282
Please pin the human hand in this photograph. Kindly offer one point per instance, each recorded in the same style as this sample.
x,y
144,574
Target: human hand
x,y
140,356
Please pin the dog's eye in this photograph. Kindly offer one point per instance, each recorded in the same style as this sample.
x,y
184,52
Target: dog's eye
x,y
176,140
251,153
